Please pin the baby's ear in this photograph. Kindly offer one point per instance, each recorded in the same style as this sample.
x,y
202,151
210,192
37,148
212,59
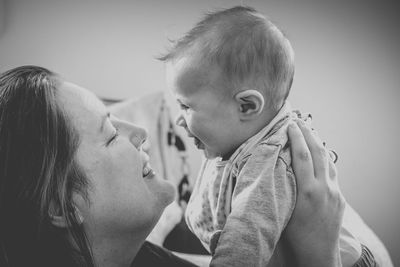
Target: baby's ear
x,y
250,103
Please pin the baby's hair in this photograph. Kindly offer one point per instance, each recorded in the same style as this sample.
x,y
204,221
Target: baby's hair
x,y
248,48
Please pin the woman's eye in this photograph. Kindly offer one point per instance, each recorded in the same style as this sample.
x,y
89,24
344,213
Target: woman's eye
x,y
113,137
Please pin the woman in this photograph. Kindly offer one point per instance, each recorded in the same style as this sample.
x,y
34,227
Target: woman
x,y
77,190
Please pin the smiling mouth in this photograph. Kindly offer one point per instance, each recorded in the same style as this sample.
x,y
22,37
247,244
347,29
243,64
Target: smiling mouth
x,y
196,140
147,171
198,143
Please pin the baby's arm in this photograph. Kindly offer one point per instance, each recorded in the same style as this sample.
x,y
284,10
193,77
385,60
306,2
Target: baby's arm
x,y
263,200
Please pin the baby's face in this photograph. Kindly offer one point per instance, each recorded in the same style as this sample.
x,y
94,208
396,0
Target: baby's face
x,y
208,112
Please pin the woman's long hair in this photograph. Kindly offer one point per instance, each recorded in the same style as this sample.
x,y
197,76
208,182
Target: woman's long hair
x,y
38,174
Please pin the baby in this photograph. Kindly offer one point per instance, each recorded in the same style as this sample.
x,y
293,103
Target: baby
x,y
231,75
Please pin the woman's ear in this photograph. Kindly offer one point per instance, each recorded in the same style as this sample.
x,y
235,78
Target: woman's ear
x,y
250,103
59,220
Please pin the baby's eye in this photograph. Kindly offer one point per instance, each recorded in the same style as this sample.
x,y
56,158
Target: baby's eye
x,y
184,107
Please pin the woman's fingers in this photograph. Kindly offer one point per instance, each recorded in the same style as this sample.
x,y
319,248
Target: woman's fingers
x,y
333,171
319,154
301,158
316,219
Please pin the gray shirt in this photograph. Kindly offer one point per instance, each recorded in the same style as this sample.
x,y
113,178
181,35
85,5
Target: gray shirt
x,y
239,208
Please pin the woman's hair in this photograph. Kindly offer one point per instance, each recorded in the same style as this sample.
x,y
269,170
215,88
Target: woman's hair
x,y
38,174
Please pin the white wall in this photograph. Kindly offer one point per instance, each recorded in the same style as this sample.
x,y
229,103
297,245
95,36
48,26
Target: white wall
x,y
347,74
2,16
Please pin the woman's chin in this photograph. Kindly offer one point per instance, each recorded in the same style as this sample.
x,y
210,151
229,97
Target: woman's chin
x,y
166,192
170,192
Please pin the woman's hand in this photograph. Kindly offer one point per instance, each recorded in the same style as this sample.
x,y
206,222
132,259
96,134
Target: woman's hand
x,y
313,230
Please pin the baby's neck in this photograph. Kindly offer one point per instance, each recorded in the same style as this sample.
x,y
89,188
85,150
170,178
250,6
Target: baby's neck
x,y
251,128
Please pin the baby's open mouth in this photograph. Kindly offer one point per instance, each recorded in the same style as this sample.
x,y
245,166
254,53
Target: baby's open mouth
x,y
196,140
198,143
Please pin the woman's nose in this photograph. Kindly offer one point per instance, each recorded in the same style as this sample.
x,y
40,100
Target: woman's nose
x,y
137,135
180,121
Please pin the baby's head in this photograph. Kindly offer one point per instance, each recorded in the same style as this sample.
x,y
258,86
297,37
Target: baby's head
x,y
230,74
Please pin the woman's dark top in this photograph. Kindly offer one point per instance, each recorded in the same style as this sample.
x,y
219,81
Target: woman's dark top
x,y
151,255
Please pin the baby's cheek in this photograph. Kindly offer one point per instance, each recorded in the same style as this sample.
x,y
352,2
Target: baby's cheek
x,y
192,128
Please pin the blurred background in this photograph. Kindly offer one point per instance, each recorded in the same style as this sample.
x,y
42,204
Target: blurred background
x,y
347,71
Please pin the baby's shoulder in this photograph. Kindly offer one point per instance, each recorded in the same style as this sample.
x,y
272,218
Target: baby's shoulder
x,y
268,155
278,144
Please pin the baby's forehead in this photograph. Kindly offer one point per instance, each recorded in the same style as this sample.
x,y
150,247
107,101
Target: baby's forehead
x,y
209,79
189,71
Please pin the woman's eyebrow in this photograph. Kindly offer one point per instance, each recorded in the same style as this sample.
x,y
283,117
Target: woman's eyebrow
x,y
103,120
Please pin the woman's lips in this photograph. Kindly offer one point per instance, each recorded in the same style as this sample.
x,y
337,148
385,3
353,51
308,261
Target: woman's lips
x,y
147,172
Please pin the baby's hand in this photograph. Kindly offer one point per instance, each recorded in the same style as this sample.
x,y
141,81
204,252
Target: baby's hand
x,y
171,216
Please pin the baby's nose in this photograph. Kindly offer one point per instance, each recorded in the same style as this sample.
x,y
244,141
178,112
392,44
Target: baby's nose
x,y
180,121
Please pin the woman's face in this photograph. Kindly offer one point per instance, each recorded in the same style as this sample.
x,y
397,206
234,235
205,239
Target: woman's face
x,y
123,197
